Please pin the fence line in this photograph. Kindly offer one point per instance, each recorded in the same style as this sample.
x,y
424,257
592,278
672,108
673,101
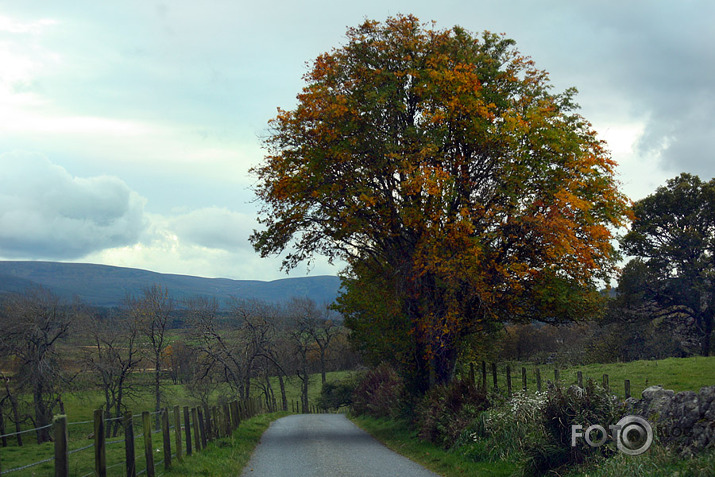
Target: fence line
x,y
207,425
537,373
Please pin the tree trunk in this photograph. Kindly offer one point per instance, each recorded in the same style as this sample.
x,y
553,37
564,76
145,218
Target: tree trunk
x,y
282,385
157,390
322,364
42,417
16,418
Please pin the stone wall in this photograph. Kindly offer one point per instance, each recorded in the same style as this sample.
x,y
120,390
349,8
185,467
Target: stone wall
x,y
685,421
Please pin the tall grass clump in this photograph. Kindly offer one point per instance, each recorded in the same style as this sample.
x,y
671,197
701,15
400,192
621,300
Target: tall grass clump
x,y
506,429
564,408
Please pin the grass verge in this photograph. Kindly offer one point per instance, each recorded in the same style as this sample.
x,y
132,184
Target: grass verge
x,y
227,456
397,436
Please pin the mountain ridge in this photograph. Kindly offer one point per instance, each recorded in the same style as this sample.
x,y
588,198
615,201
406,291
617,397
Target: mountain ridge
x,y
107,285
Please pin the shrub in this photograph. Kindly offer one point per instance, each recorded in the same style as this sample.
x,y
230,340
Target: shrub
x,y
337,394
379,393
564,408
445,411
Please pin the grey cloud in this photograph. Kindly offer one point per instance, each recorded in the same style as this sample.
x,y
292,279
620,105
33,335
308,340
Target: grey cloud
x,y
214,227
658,58
47,213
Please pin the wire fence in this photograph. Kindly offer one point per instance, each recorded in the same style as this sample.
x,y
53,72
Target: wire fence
x,y
189,431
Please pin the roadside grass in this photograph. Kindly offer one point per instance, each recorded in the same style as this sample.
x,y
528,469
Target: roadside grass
x,y
397,436
227,456
656,462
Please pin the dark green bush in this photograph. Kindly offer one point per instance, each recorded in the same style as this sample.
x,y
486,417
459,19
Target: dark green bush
x,y
446,411
379,393
337,394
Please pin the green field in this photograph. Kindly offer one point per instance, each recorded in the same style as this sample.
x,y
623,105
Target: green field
x,y
678,374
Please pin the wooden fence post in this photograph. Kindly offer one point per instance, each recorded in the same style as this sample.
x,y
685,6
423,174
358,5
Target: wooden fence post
x,y
484,377
197,435
605,382
131,465
62,462
148,447
167,438
209,430
579,378
627,386
100,452
494,375
202,428
177,433
233,415
472,377
238,413
556,377
508,380
523,377
226,420
217,422
538,380
187,430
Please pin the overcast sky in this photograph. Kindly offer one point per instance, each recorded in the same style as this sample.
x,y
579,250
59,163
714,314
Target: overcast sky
x,y
127,128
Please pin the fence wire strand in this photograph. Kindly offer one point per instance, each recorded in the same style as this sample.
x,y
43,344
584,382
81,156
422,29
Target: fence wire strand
x,y
26,431
51,459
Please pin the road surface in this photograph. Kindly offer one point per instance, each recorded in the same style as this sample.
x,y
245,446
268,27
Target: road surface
x,y
325,445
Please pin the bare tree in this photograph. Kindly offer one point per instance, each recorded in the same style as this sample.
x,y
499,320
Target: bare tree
x,y
152,312
303,315
10,395
112,358
31,325
218,346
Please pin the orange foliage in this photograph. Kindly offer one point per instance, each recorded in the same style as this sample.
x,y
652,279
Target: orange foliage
x,y
437,164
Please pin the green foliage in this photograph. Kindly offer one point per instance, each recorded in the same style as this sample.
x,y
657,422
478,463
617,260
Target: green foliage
x,y
445,411
337,394
380,393
673,239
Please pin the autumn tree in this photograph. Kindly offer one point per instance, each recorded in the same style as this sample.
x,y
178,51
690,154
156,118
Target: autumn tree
x,y
458,189
673,240
31,325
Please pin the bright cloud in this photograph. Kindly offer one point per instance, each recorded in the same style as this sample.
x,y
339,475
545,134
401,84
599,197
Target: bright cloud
x,y
45,212
215,227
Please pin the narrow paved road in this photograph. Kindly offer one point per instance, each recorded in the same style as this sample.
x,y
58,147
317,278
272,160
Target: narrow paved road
x,y
325,445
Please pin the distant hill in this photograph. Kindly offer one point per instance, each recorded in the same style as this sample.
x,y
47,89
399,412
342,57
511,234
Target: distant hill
x,y
103,285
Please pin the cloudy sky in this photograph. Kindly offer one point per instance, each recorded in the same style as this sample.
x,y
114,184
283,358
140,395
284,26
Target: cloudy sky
x,y
127,128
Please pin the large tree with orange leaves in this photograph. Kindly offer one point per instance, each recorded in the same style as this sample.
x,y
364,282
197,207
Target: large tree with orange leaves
x,y
458,189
